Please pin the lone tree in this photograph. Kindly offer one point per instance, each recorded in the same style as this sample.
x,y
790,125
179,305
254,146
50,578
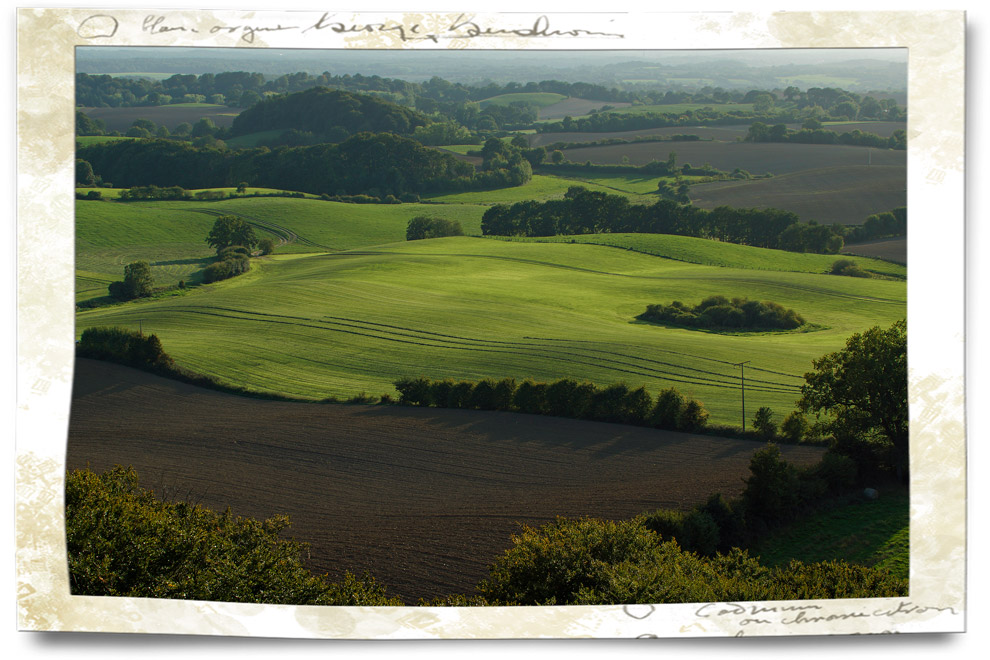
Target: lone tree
x,y
230,230
137,283
863,389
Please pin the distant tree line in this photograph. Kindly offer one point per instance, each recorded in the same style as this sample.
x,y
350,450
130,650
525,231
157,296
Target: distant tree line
x,y
589,212
565,397
721,313
373,164
812,133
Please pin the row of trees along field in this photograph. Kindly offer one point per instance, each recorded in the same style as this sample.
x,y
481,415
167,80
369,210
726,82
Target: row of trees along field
x,y
812,133
582,211
123,541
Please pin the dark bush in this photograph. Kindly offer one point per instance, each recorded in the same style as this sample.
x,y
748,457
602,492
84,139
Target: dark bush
x,y
667,410
693,417
123,346
772,489
848,268
123,541
414,391
720,313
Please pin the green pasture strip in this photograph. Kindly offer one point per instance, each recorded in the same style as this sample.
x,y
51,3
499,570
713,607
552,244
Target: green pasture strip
x,y
541,188
540,99
716,253
678,108
460,148
869,532
86,140
467,308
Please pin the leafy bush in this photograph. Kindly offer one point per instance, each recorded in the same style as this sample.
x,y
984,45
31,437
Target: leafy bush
x,y
693,416
597,562
266,246
795,426
764,424
772,489
122,541
137,282
848,268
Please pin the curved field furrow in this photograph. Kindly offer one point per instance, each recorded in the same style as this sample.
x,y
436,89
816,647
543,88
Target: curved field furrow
x,y
488,346
423,499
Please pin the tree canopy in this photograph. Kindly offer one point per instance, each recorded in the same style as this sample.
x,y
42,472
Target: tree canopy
x,y
863,390
230,230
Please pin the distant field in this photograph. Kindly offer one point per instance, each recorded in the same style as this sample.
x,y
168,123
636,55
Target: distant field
x,y
723,133
881,128
86,140
678,108
891,249
845,195
120,119
540,99
756,158
715,253
543,187
469,308
575,107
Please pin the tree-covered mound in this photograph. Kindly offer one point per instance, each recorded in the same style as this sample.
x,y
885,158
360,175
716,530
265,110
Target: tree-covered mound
x,y
721,313
366,163
331,115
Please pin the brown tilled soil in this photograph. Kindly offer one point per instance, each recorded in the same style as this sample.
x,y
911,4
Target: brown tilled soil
x,y
120,119
424,499
891,249
844,195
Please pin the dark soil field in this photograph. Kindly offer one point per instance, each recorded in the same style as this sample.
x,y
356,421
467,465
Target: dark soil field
x,y
845,195
120,119
756,158
889,249
424,499
722,133
574,107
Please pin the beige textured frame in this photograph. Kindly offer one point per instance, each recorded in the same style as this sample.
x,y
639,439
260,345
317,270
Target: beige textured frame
x,y
45,149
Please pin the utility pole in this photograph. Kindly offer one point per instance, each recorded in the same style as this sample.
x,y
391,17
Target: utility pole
x,y
742,383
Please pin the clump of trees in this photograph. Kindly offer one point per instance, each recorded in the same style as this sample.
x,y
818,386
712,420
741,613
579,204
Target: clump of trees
x,y
721,313
137,283
859,395
422,227
595,562
233,239
565,397
814,134
123,346
124,541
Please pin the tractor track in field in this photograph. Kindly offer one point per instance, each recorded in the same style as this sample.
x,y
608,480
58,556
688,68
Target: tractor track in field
x,y
618,362
422,498
284,234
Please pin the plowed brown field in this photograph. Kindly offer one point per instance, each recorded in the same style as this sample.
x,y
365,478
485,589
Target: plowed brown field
x,y
422,498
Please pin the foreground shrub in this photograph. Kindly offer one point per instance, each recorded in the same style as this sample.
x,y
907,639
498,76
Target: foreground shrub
x,y
772,489
122,541
596,562
848,268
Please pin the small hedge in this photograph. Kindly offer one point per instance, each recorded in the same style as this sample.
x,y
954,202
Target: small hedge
x,y
566,397
721,313
123,346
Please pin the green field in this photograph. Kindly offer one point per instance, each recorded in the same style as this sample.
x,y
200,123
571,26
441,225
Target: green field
x,y
86,140
872,533
343,323
540,99
543,187
171,235
729,255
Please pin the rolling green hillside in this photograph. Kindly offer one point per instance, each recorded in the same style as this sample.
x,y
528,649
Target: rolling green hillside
x,y
716,253
171,236
467,308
